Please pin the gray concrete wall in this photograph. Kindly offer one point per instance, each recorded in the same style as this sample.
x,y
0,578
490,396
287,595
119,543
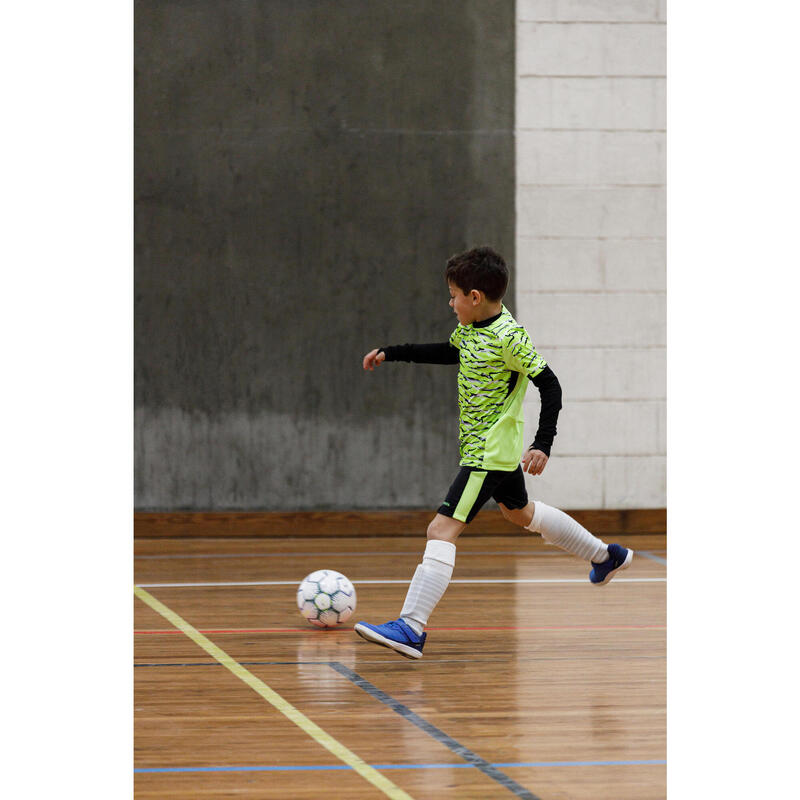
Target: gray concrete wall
x,y
303,169
591,247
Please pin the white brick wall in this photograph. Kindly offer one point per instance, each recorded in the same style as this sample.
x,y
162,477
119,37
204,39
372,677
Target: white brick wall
x,y
620,212
610,104
575,265
581,158
635,482
591,226
582,319
557,48
591,10
596,373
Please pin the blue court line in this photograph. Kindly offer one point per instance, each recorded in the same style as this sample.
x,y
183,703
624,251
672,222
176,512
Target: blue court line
x,y
328,767
440,736
648,554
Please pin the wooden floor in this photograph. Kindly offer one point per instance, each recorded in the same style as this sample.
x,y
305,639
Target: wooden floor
x,y
534,683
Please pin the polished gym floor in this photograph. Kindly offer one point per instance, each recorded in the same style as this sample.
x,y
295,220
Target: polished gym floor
x,y
533,684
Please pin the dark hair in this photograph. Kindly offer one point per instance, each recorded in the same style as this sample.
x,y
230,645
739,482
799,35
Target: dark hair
x,y
480,268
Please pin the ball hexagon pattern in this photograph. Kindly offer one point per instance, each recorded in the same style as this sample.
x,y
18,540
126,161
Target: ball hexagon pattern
x,y
326,598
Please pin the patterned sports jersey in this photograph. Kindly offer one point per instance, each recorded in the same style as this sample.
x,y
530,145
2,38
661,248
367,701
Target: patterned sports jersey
x,y
496,358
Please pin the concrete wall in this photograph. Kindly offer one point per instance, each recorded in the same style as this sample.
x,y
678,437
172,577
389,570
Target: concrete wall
x,y
590,240
303,169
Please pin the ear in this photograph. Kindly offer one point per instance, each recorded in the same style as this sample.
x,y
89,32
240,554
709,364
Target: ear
x,y
476,296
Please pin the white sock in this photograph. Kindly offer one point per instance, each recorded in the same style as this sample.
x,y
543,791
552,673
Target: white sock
x,y
429,583
561,530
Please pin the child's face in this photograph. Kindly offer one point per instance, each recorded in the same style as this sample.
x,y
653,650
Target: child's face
x,y
465,306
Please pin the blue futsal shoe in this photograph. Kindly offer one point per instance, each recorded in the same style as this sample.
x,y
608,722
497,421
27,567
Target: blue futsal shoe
x,y
619,558
395,635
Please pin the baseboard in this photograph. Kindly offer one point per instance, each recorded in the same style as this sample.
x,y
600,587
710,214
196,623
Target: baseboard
x,y
313,524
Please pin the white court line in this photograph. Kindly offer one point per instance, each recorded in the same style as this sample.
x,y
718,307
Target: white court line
x,y
379,581
348,554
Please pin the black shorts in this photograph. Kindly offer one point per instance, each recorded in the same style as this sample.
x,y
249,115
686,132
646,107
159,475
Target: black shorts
x,y
473,487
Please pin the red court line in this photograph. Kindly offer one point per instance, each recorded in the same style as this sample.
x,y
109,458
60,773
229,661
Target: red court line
x,y
471,628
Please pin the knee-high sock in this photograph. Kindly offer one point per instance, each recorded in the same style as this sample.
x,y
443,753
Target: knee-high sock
x,y
429,583
561,530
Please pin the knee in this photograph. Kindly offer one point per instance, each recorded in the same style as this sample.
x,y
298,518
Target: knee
x,y
434,529
519,516
507,512
444,528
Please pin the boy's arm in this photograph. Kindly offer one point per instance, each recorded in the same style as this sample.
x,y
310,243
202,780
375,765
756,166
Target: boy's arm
x,y
521,356
438,353
535,459
550,393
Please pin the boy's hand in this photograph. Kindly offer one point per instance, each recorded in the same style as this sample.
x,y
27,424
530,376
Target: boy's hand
x,y
534,462
373,358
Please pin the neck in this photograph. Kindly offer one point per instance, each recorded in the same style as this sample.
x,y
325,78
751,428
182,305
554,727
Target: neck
x,y
489,310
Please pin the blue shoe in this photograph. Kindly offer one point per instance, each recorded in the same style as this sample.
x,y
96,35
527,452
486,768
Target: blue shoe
x,y
395,635
619,558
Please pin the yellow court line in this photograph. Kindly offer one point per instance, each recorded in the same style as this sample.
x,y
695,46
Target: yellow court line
x,y
287,709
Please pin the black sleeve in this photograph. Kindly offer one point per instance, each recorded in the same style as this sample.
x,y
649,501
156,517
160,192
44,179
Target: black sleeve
x,y
439,353
550,393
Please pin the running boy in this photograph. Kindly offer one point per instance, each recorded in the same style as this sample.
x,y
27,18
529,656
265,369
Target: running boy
x,y
496,359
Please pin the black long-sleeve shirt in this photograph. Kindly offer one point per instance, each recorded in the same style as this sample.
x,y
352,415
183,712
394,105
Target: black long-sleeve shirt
x,y
545,381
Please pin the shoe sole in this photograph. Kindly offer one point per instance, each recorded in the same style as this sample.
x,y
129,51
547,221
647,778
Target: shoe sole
x,y
624,565
372,636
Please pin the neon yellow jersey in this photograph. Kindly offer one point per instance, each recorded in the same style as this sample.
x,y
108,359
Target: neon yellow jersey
x,y
496,358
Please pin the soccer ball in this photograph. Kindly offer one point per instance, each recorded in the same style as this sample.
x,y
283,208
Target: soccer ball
x,y
326,598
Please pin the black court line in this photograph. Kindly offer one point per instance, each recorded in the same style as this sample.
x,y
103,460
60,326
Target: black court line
x,y
440,736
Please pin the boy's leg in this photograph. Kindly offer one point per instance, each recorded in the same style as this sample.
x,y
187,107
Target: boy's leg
x,y
560,529
563,531
470,490
406,634
466,496
432,576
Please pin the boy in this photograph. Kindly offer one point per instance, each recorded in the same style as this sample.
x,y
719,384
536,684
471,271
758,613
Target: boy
x,y
496,359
